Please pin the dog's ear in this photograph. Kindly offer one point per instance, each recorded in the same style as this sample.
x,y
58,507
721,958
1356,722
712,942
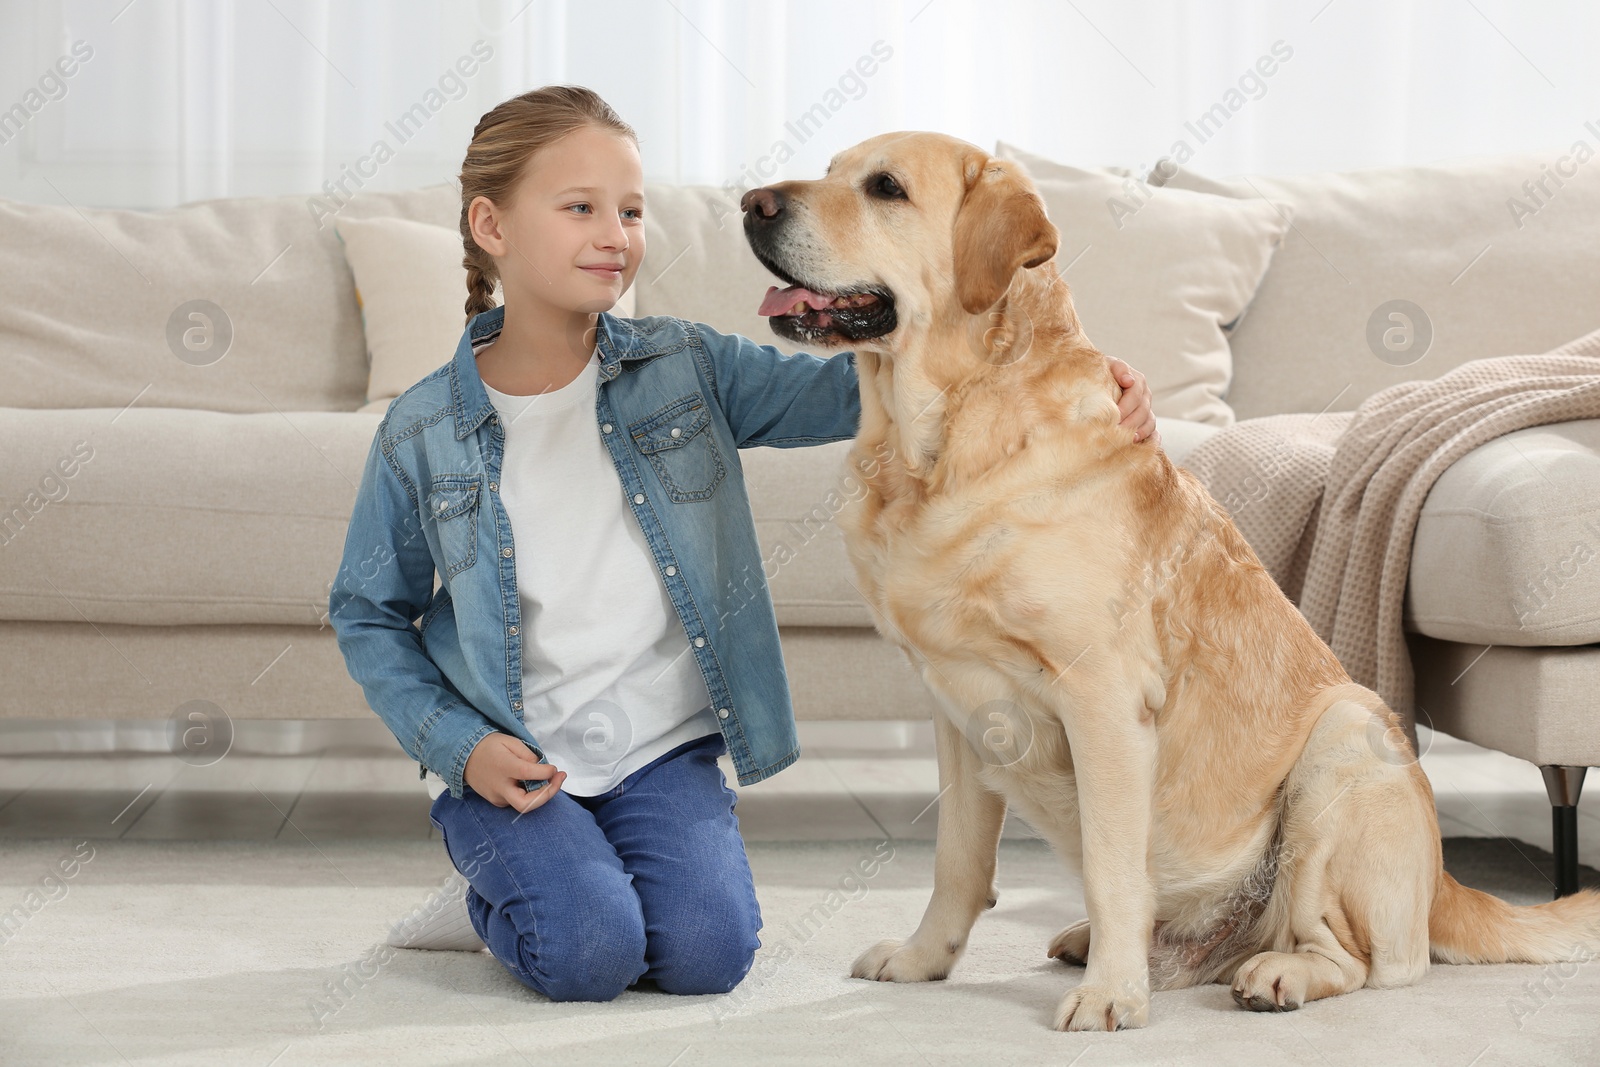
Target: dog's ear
x,y
1001,225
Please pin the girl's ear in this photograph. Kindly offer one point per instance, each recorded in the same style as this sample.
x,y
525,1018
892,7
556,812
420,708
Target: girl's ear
x,y
1001,225
484,223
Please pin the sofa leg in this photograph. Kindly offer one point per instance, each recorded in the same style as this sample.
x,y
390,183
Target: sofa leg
x,y
1563,784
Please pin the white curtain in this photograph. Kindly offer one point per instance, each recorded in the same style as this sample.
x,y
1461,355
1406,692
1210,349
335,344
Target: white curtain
x,y
169,101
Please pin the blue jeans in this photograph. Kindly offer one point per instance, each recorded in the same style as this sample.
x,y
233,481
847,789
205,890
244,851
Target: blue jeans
x,y
583,896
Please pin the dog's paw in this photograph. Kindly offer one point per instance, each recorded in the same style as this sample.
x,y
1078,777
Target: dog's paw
x,y
892,961
1072,944
1122,1006
1272,981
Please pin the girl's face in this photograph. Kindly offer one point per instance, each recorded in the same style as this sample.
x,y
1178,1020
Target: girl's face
x,y
577,210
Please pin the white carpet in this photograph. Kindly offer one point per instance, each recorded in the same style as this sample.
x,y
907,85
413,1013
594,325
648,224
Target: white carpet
x,y
217,952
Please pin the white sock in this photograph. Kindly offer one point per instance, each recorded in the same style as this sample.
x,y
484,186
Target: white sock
x,y
440,921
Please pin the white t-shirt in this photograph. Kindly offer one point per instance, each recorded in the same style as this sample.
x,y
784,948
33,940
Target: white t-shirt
x,y
608,679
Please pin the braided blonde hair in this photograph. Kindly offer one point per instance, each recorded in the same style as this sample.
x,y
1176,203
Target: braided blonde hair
x,y
503,141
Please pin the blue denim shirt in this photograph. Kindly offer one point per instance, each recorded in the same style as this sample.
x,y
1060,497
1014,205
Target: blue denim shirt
x,y
674,403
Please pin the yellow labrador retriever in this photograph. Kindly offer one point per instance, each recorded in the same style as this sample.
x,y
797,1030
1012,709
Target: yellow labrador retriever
x,y
1111,658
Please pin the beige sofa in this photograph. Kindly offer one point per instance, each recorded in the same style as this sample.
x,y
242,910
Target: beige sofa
x,y
1491,256
176,477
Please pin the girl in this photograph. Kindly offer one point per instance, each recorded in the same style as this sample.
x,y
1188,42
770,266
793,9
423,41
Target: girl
x,y
603,630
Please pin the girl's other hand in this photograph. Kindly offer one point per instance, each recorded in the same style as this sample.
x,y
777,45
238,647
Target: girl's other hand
x,y
1137,414
497,767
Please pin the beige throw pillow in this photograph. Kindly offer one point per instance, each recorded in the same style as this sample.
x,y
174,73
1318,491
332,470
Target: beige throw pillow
x,y
412,290
1158,275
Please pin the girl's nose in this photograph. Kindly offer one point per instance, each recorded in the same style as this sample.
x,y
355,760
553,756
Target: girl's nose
x,y
616,237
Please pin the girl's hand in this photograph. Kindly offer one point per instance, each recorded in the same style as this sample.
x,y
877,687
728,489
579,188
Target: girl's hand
x,y
498,765
1137,415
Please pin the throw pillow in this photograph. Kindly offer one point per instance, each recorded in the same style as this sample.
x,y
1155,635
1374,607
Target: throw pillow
x,y
1158,275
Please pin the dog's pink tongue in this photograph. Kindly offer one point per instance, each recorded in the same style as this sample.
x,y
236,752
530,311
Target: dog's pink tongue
x,y
782,301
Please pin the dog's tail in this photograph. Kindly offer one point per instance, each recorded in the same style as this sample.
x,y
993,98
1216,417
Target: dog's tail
x,y
1469,926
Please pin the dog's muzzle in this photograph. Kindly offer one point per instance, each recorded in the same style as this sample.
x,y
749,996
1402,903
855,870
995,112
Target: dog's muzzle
x,y
802,311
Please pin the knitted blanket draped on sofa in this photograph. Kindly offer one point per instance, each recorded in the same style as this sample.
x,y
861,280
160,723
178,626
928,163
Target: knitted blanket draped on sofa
x,y
1329,502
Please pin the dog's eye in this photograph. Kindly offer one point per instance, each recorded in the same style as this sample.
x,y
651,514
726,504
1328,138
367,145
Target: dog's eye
x,y
884,185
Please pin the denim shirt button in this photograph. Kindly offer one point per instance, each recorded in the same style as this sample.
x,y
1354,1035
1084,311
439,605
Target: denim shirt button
x,y
722,713
606,428
516,705
677,431
505,551
494,487
512,631
671,571
638,498
699,642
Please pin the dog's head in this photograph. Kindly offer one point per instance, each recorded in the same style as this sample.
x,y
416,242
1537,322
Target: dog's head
x,y
904,227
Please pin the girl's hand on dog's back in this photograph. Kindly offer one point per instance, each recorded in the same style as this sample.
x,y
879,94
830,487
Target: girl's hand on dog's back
x,y
1134,405
497,767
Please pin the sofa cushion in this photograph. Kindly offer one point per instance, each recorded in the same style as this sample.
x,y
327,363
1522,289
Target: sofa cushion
x,y
164,516
795,496
1158,274
109,316
1507,549
1494,269
1179,437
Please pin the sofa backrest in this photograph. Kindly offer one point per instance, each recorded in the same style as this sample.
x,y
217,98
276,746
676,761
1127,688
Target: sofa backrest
x,y
1492,256
96,302
99,304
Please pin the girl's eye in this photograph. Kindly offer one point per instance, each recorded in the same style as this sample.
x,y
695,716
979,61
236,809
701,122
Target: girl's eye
x,y
638,213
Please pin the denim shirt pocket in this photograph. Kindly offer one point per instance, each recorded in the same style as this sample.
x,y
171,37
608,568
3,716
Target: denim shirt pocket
x,y
453,506
679,443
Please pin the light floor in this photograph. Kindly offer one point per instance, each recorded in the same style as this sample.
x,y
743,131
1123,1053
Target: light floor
x,y
238,913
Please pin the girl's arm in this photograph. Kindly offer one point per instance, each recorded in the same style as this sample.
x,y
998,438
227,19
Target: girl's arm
x,y
771,398
385,583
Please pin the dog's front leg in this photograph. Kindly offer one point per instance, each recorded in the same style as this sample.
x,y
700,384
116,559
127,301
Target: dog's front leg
x,y
965,854
1113,742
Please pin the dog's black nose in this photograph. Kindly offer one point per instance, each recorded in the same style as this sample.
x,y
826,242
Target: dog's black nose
x,y
761,205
